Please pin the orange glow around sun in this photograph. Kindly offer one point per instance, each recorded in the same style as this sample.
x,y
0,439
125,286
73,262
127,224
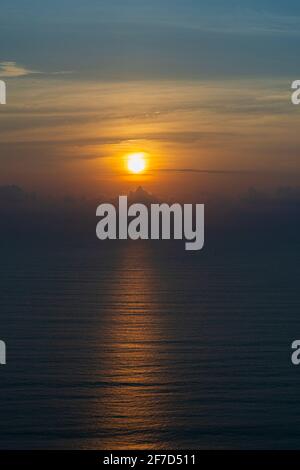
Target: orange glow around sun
x,y
136,162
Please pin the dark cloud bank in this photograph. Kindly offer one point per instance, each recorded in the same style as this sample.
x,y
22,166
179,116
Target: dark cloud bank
x,y
257,220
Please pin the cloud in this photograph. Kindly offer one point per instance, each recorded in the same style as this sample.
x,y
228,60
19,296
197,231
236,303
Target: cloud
x,y
283,196
12,70
217,172
13,194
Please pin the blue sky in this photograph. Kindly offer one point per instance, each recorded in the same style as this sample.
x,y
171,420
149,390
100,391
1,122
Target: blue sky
x,y
137,39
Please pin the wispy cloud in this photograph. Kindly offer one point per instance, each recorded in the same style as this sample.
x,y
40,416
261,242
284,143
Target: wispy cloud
x,y
214,172
12,70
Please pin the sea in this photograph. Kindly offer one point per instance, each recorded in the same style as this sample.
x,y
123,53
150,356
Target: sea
x,y
142,345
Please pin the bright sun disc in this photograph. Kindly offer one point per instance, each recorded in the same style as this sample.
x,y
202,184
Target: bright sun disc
x,y
136,162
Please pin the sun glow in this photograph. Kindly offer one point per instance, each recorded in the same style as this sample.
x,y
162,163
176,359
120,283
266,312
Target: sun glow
x,y
136,162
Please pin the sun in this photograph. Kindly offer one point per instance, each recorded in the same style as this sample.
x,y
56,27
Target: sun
x,y
136,162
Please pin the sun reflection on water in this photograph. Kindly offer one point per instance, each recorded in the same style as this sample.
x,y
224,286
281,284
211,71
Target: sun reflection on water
x,y
134,402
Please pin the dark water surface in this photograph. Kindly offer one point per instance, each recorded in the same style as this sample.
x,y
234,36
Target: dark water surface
x,y
135,346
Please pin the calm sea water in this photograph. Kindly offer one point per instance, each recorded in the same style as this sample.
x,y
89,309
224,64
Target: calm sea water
x,y
135,346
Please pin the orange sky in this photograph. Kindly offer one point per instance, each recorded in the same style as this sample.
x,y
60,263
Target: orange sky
x,y
70,136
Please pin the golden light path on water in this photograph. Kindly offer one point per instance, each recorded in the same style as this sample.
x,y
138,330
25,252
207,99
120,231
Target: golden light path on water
x,y
133,406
